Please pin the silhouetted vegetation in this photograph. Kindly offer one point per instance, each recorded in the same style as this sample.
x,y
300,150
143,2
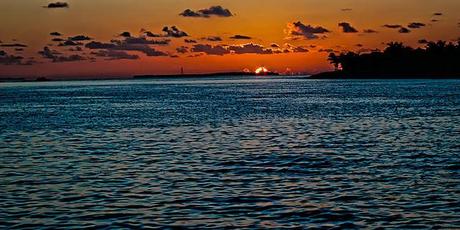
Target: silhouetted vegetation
x,y
437,59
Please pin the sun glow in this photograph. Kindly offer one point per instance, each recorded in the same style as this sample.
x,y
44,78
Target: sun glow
x,y
261,70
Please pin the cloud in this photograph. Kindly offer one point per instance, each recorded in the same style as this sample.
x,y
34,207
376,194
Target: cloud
x,y
58,57
299,30
125,34
217,11
416,25
143,40
392,26
437,14
143,48
13,45
347,28
55,34
190,41
80,38
249,48
210,49
70,43
404,30
328,50
114,55
6,59
99,45
370,31
300,49
150,34
190,13
174,32
54,5
130,44
182,49
346,9
57,40
212,38
240,37
293,49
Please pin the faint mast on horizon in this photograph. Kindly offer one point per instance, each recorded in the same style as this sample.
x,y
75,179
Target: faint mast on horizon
x,y
182,70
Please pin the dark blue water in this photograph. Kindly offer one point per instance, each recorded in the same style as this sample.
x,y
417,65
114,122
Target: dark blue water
x,y
236,152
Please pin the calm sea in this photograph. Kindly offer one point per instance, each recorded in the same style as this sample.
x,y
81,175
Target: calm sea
x,y
230,153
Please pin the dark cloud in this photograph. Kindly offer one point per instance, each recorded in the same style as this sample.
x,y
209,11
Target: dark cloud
x,y
19,49
174,32
57,5
416,25
293,49
326,50
299,30
392,26
58,57
70,43
359,45
434,20
57,40
347,28
240,37
212,38
150,34
437,14
130,44
346,9
218,11
249,48
6,59
99,45
300,49
125,34
146,49
55,34
369,31
209,49
404,30
79,38
182,49
143,40
190,13
13,45
190,41
114,55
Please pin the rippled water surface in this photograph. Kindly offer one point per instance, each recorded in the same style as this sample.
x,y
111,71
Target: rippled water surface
x,y
234,152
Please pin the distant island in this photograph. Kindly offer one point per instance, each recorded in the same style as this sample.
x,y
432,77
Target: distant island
x,y
219,74
436,60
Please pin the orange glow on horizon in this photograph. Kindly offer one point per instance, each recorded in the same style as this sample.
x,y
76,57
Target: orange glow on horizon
x,y
261,70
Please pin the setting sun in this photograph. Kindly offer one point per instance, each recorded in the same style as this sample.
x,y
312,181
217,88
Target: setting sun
x,y
261,70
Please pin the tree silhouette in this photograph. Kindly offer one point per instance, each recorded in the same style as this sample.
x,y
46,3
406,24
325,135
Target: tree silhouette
x,y
435,59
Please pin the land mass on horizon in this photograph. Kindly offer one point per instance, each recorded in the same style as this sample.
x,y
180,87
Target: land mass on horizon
x,y
437,60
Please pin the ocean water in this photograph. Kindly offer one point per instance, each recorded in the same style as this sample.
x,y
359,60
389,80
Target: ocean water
x,y
249,152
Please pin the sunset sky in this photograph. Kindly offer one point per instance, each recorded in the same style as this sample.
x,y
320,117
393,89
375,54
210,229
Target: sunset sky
x,y
94,38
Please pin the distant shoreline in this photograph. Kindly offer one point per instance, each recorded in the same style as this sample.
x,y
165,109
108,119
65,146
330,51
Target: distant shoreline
x,y
152,76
